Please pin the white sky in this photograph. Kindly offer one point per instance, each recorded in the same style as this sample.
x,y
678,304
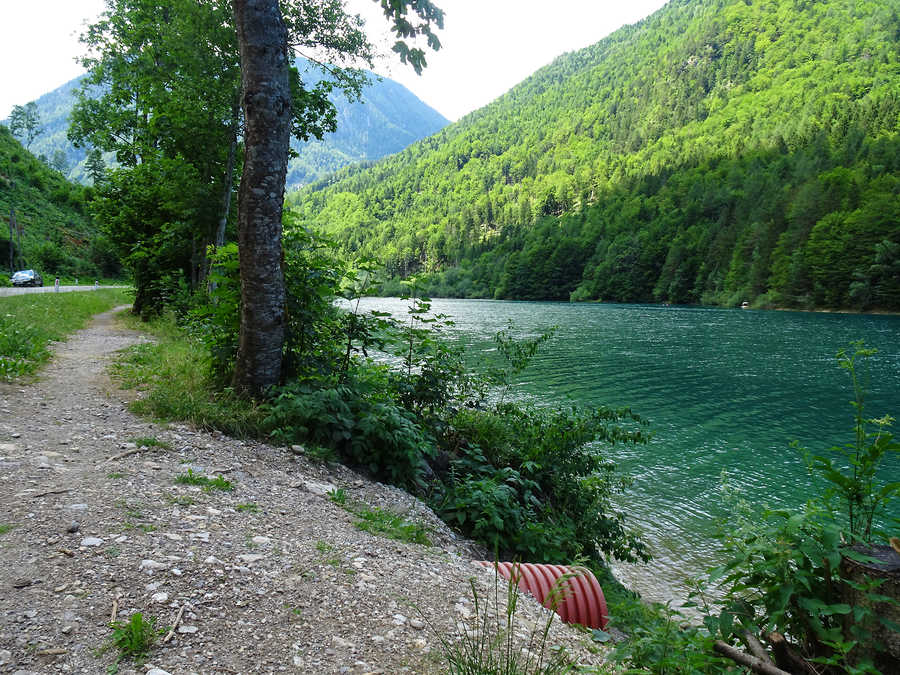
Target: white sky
x,y
488,45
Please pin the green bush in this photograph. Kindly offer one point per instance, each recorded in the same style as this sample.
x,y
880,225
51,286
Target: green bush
x,y
533,482
367,429
783,569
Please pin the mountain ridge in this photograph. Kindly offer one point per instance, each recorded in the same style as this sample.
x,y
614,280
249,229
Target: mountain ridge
x,y
387,119
669,100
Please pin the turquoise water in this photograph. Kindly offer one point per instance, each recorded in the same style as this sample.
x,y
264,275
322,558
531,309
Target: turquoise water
x,y
722,389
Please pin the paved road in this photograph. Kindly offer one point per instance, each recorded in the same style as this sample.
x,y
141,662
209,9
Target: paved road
x,y
49,289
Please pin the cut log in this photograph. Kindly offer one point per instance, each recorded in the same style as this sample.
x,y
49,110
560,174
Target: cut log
x,y
885,567
787,658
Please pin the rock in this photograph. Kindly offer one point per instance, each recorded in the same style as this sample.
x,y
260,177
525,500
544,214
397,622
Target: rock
x,y
157,671
261,541
73,527
151,566
188,629
418,624
5,656
316,488
91,541
250,558
77,507
160,597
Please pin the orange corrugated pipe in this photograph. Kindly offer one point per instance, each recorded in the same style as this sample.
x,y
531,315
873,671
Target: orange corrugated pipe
x,y
579,598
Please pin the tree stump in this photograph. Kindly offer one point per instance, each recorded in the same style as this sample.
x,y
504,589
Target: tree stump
x,y
888,569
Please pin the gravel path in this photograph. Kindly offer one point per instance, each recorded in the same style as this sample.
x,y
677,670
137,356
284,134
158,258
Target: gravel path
x,y
271,576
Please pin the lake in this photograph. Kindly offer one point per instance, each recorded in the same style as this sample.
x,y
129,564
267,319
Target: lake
x,y
724,390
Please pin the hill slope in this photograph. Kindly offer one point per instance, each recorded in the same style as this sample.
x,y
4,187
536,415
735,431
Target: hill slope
x,y
718,151
57,236
387,120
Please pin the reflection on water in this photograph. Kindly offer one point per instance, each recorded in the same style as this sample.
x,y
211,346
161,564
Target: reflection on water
x,y
724,390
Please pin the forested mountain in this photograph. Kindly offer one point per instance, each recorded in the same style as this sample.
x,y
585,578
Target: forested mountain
x,y
54,233
388,119
717,151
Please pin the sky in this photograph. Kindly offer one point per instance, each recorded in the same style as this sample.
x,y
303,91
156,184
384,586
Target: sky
x,y
488,46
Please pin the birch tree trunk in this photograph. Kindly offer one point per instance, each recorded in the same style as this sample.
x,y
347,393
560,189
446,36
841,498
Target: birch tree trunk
x,y
266,101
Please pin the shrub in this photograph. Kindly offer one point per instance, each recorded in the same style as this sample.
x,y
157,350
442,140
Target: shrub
x,y
533,483
366,428
784,568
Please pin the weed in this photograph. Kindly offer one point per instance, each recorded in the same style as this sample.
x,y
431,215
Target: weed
x,y
248,507
320,454
151,442
389,524
180,500
324,547
133,638
338,496
112,552
191,478
4,528
115,474
489,646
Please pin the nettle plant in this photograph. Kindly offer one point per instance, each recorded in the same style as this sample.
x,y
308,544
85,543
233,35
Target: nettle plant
x,y
786,570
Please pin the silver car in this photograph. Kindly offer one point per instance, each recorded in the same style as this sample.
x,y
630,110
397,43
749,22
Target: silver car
x,y
27,278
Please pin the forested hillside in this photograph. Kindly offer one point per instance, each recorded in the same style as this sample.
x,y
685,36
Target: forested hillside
x,y
53,232
387,119
718,151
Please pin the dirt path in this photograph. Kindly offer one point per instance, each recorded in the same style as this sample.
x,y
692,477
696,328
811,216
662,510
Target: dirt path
x,y
270,576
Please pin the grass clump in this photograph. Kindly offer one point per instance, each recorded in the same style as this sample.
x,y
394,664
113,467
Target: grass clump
x,y
151,442
29,323
385,523
248,507
490,647
175,372
133,639
207,483
4,528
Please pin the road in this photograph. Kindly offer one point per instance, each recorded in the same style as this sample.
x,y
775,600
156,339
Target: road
x,y
16,290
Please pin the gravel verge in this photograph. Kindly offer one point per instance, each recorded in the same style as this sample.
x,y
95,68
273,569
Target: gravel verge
x,y
270,576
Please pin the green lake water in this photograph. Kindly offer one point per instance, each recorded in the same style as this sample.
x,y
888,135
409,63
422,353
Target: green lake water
x,y
722,389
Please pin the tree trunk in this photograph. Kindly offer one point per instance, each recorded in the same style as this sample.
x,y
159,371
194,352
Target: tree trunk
x,y
266,100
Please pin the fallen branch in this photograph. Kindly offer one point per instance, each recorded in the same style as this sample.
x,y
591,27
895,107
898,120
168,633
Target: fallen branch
x,y
744,659
56,491
174,625
52,652
123,455
755,647
115,611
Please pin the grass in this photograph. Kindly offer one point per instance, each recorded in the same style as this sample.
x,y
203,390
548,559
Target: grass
x,y
385,523
248,507
133,639
489,646
151,442
180,500
30,322
4,528
175,373
207,483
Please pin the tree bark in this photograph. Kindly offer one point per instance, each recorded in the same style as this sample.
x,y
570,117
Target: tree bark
x,y
266,101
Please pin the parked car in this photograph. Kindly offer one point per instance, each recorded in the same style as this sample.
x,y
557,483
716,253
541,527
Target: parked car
x,y
27,278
